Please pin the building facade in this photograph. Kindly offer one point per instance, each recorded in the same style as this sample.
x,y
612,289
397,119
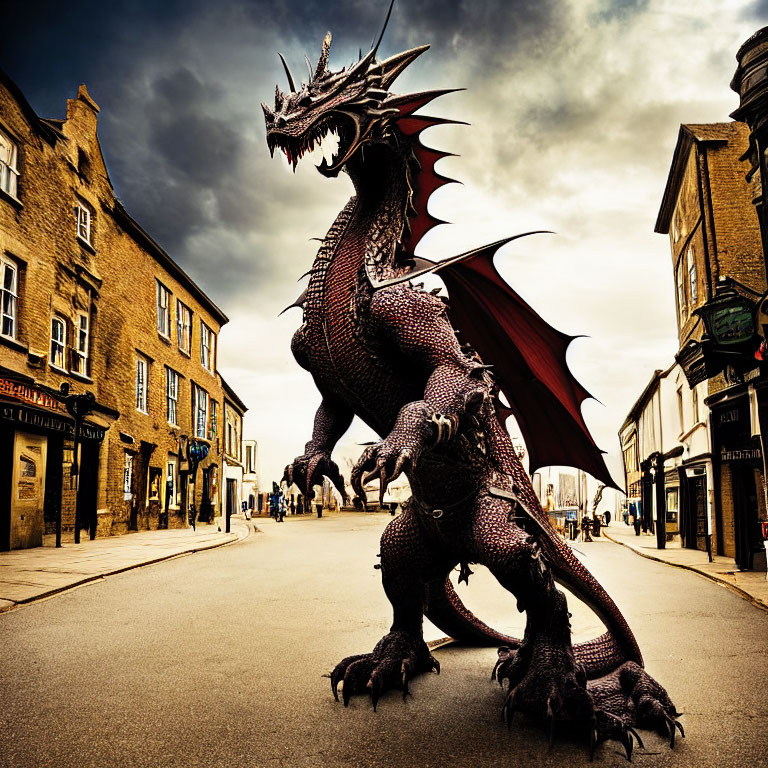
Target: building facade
x,y
109,390
708,438
234,410
251,476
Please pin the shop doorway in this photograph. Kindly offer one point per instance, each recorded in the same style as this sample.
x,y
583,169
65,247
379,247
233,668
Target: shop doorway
x,y
745,518
28,490
694,518
231,497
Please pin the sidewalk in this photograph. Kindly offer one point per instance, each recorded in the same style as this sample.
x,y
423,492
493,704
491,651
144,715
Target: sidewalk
x,y
751,585
27,575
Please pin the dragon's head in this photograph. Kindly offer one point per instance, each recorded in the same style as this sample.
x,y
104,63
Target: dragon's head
x,y
353,105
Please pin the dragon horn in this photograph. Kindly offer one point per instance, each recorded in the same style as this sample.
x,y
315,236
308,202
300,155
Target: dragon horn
x,y
394,65
386,21
288,73
322,63
309,68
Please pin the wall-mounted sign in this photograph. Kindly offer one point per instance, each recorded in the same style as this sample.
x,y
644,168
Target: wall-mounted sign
x,y
27,393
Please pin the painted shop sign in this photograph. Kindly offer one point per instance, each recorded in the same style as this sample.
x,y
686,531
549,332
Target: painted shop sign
x,y
17,390
740,455
49,421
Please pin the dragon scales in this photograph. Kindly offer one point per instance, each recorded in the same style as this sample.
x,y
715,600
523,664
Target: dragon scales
x,y
385,351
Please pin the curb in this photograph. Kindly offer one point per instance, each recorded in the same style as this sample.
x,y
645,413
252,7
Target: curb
x,y
234,539
712,577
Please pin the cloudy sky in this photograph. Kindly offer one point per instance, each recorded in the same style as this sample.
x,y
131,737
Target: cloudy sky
x,y
575,108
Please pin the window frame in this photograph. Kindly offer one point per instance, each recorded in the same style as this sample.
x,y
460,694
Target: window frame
x,y
81,356
172,377
83,212
128,476
9,169
142,396
213,418
693,286
207,351
62,343
173,476
162,291
183,310
13,292
201,433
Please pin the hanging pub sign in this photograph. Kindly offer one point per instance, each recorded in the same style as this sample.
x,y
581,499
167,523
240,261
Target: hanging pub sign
x,y
196,452
730,317
733,324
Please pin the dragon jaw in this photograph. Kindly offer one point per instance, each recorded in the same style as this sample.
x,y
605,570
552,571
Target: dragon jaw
x,y
351,104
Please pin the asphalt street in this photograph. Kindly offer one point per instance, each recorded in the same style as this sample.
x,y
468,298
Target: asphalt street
x,y
216,659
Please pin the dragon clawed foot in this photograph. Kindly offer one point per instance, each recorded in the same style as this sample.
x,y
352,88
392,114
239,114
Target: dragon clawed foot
x,y
549,689
397,658
309,469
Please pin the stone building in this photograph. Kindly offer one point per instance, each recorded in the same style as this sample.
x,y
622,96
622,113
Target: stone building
x,y
92,303
706,453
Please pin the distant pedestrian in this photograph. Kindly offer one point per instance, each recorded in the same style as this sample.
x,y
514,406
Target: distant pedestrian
x,y
293,505
607,516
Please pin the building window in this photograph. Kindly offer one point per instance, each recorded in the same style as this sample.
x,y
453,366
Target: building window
x,y
142,368
214,426
695,403
201,413
228,448
248,458
681,303
10,296
172,395
9,169
128,476
184,327
680,409
58,342
163,296
693,289
83,223
170,482
207,346
80,350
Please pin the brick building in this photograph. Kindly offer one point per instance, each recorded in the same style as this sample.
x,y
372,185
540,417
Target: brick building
x,y
234,410
91,302
702,473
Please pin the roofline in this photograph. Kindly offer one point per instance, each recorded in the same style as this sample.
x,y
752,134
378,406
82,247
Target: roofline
x,y
645,396
47,131
145,239
685,140
232,395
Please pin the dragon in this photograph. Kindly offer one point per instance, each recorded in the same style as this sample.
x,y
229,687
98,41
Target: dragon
x,y
417,368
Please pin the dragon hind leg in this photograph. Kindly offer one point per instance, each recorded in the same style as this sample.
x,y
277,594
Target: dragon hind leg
x,y
546,680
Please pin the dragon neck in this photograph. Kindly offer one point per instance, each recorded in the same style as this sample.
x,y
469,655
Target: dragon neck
x,y
379,176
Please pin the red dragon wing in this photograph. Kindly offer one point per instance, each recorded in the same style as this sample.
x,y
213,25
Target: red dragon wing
x,y
528,359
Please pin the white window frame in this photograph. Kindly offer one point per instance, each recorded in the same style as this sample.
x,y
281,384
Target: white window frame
x,y
58,349
207,347
172,396
142,384
201,409
171,474
83,222
81,344
682,303
9,297
128,476
184,327
163,294
213,418
9,165
693,288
